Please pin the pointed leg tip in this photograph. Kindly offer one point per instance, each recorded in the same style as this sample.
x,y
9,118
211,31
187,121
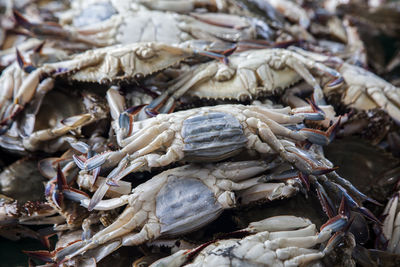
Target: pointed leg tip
x,y
112,182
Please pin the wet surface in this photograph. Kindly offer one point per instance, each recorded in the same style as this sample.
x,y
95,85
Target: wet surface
x,y
359,162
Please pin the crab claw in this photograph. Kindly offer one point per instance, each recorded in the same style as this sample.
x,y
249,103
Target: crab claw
x,y
319,137
315,114
28,68
9,116
353,203
125,119
335,240
44,29
75,194
286,175
80,146
338,222
42,255
91,163
353,190
98,195
56,190
326,202
307,164
221,58
162,104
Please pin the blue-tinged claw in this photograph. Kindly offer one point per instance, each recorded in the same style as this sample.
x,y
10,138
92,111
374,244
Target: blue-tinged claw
x,y
151,112
313,166
305,180
335,83
28,68
317,114
91,163
221,58
313,116
50,186
61,181
63,252
323,170
325,201
80,147
57,198
96,173
158,102
168,107
344,208
55,187
334,176
42,255
353,204
286,175
134,110
79,162
125,119
319,137
74,194
98,195
335,224
334,241
340,230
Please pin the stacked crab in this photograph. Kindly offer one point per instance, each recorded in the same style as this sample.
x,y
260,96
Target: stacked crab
x,y
152,123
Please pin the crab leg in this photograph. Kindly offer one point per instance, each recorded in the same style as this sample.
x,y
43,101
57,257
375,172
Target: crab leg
x,y
143,137
46,29
158,141
237,171
266,191
108,204
69,124
268,137
125,220
383,101
173,93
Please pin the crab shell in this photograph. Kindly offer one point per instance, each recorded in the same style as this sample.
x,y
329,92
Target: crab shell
x,y
275,241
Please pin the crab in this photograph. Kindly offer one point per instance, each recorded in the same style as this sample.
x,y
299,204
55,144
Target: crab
x,y
248,75
207,134
21,201
106,23
292,12
181,200
43,126
362,89
110,64
276,241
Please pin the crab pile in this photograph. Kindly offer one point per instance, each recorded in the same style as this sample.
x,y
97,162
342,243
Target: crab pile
x,y
200,133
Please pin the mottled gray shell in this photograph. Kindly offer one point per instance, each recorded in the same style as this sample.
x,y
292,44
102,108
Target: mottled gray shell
x,y
212,137
184,205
